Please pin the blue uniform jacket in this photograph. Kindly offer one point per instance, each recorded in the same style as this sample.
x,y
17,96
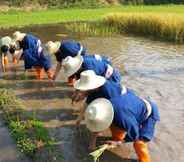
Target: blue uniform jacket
x,y
108,90
100,66
33,53
130,114
100,58
69,48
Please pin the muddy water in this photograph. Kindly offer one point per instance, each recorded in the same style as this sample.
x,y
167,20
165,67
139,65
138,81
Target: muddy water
x,y
151,68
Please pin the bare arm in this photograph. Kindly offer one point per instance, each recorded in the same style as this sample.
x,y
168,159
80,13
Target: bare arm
x,y
18,54
92,143
2,62
78,96
81,115
58,68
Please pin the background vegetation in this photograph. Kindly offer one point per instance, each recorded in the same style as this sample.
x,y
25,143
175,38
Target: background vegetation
x,y
86,3
164,26
14,18
152,2
160,21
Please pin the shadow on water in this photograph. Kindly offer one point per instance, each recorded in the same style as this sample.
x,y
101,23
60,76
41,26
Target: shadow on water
x,y
29,84
46,95
111,157
62,114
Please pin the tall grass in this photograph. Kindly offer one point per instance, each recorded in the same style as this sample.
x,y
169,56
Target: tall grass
x,y
164,26
92,28
163,22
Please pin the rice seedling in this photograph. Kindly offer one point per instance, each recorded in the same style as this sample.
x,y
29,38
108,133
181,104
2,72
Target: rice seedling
x,y
97,153
92,29
24,76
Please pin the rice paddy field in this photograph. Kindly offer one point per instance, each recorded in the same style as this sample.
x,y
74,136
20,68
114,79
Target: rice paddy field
x,y
14,18
43,124
165,26
165,22
151,68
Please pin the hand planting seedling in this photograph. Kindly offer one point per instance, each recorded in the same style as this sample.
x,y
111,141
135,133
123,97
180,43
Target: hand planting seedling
x,y
97,153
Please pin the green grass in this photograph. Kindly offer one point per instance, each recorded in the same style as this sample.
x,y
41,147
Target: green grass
x,y
15,18
92,29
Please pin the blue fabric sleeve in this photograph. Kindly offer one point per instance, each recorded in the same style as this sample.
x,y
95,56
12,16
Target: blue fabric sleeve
x,y
147,129
129,123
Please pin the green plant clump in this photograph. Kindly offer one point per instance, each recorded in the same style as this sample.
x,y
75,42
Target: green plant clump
x,y
29,134
92,29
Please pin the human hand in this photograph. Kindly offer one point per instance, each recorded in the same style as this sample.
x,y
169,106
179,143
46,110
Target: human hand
x,y
52,83
92,147
54,77
114,143
78,121
78,96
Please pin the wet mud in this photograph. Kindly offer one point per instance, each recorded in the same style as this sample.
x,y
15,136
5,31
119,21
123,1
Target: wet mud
x,y
151,68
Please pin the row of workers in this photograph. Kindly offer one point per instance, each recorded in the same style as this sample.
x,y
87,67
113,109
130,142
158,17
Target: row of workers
x,y
110,105
107,103
34,54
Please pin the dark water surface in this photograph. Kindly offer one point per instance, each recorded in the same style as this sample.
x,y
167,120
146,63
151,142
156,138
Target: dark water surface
x,y
151,68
